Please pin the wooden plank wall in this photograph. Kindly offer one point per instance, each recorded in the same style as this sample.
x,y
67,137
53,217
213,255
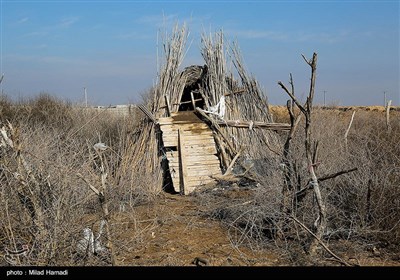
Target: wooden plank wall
x,y
197,146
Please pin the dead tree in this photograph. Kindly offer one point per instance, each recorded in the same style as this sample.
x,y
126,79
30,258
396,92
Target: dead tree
x,y
100,192
311,148
291,176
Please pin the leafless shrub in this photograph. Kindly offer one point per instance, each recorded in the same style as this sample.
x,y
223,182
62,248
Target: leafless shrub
x,y
367,202
362,206
44,206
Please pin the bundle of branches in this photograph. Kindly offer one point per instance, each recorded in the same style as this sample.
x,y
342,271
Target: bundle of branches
x,y
145,156
170,85
244,102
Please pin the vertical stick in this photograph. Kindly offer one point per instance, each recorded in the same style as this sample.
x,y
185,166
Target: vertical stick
x,y
182,163
387,115
193,103
167,104
104,205
348,129
106,214
368,203
221,146
384,98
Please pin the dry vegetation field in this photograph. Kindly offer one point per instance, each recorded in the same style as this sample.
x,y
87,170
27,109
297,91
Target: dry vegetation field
x,y
49,162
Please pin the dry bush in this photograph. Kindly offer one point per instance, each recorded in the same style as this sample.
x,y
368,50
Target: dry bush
x,y
362,206
366,203
6,108
42,109
44,204
51,189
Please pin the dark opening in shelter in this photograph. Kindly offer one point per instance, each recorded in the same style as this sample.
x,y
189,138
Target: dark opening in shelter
x,y
191,96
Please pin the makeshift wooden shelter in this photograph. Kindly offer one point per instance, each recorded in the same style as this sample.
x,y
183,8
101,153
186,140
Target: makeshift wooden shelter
x,y
203,120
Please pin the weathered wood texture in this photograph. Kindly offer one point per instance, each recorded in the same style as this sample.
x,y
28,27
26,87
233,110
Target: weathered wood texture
x,y
185,134
255,124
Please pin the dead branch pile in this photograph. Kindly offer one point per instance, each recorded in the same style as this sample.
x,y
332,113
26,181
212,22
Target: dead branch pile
x,y
244,101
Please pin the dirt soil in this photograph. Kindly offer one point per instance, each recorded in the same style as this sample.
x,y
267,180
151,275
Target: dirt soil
x,y
179,235
173,231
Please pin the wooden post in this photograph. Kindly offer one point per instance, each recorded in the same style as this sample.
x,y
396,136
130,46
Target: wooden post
x,y
193,102
221,146
387,115
167,105
182,163
348,129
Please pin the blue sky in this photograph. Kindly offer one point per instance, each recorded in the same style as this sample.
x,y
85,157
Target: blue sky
x,y
110,47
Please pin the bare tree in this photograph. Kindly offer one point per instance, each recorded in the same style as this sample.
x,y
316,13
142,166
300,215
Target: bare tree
x,y
311,148
100,192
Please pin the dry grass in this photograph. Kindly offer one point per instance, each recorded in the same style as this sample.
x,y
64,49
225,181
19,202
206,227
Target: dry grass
x,y
56,141
363,206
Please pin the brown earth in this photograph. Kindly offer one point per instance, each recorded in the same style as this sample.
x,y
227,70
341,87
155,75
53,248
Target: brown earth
x,y
173,231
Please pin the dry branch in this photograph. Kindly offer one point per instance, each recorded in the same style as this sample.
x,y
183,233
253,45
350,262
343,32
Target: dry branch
x,y
255,124
320,241
289,171
148,113
320,222
348,129
229,169
167,105
301,192
334,175
387,115
100,192
291,93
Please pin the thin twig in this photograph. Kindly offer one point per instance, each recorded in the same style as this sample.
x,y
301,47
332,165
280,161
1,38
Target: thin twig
x,y
320,241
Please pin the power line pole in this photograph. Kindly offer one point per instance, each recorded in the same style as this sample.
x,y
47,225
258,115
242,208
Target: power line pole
x,y
384,98
324,98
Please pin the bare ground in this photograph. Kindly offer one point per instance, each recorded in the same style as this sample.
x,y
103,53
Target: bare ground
x,y
173,231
